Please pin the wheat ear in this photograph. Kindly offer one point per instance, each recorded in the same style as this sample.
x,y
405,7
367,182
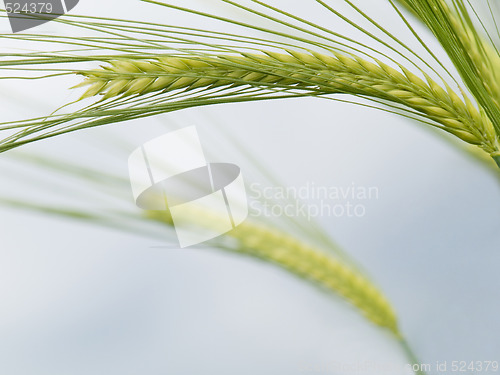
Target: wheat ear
x,y
323,74
481,52
306,261
484,56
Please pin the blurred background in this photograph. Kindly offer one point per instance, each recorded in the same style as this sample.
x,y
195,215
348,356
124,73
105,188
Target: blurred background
x,y
80,298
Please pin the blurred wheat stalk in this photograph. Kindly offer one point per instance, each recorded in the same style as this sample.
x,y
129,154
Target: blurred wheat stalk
x,y
149,69
308,253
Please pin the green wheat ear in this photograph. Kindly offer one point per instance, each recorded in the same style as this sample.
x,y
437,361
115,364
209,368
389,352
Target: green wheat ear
x,y
325,264
315,72
476,59
192,67
311,263
303,260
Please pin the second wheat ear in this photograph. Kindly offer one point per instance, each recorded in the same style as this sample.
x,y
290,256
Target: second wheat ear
x,y
299,258
315,72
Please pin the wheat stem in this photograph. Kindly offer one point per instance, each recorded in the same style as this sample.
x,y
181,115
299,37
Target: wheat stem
x,y
412,358
496,157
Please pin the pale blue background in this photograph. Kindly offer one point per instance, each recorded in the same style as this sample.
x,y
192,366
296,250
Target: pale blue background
x,y
79,299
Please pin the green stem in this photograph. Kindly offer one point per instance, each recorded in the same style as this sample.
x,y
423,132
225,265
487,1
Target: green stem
x,y
497,160
411,357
